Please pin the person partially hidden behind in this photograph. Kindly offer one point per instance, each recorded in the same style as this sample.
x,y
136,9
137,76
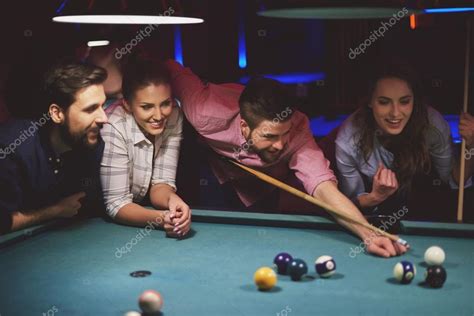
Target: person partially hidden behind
x,y
49,167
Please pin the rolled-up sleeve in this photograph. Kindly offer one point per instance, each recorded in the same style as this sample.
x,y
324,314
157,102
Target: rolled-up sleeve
x,y
114,171
308,161
441,149
166,160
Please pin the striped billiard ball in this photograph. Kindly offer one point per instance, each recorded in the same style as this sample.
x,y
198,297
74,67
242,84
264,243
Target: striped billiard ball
x,y
325,266
404,272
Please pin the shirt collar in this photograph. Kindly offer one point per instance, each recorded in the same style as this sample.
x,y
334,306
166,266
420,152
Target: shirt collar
x,y
137,134
56,161
44,134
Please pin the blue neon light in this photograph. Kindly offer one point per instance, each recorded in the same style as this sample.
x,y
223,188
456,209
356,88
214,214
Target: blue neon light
x,y
242,51
291,78
61,7
178,48
453,121
321,126
448,10
241,39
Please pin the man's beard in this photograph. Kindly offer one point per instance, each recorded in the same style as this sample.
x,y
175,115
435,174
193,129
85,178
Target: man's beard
x,y
263,153
266,156
77,141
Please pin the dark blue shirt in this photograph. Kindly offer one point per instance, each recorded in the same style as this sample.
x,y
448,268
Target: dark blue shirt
x,y
32,176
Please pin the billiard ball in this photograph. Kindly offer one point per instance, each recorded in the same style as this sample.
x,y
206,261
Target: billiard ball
x,y
296,269
325,266
404,272
435,276
281,261
434,256
150,301
265,278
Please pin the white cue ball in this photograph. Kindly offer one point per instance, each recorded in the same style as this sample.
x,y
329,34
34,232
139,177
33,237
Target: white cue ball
x,y
150,301
132,313
434,256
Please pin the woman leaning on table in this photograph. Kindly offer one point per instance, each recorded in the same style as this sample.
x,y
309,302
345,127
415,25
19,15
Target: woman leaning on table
x,y
142,143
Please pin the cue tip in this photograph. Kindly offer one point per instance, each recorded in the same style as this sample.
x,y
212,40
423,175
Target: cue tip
x,y
403,242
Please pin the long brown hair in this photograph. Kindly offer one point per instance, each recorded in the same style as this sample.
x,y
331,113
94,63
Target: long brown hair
x,y
411,155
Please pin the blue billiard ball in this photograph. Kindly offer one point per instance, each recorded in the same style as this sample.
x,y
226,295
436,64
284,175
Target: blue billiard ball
x,y
404,272
296,269
325,266
281,261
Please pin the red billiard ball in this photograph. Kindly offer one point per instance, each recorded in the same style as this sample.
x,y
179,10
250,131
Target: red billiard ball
x,y
150,301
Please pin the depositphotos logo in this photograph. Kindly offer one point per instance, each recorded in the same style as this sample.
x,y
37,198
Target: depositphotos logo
x,y
468,153
376,34
24,135
140,36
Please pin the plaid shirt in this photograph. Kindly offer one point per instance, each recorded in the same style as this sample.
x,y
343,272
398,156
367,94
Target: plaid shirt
x,y
129,165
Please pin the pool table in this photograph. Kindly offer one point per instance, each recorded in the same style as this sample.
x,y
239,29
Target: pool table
x,y
83,268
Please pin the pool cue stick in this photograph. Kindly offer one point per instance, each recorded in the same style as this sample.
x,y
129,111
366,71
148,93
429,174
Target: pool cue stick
x,y
317,202
462,165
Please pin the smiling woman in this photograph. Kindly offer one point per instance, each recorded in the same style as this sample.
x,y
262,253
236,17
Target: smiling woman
x,y
141,152
387,142
398,116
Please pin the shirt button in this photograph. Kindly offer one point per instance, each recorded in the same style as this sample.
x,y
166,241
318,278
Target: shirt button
x,y
50,159
58,160
56,171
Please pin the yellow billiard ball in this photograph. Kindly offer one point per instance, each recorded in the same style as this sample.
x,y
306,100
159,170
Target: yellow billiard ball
x,y
265,278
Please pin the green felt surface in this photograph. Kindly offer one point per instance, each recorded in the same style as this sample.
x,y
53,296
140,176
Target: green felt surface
x,y
77,270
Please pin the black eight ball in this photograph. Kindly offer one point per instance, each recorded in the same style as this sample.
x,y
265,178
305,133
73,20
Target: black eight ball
x,y
435,276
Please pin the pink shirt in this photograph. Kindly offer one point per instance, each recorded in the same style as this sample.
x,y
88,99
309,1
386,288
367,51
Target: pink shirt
x,y
213,110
